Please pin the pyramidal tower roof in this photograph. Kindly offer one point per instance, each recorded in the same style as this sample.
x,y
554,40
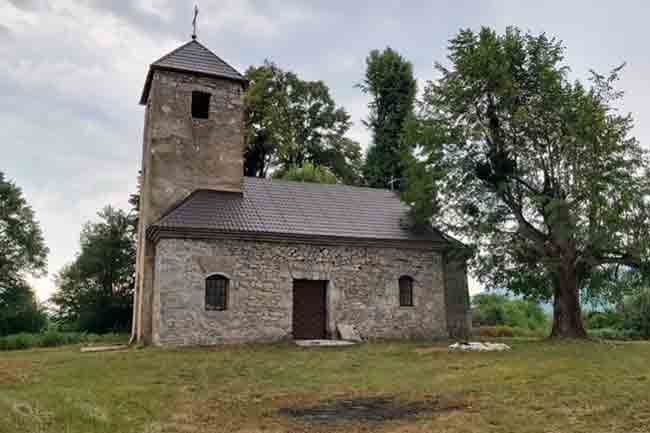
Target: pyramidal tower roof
x,y
193,58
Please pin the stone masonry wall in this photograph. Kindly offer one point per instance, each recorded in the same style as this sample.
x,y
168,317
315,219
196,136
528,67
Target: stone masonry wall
x,y
182,154
362,290
459,319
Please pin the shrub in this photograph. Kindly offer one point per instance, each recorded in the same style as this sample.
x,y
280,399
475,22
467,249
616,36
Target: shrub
x,y
637,312
603,319
614,333
492,309
509,332
53,338
496,331
18,341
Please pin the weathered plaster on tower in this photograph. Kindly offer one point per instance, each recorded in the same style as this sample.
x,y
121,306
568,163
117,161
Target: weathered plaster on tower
x,y
182,154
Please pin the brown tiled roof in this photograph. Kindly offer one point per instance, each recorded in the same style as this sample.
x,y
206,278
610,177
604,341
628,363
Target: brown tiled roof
x,y
194,58
296,209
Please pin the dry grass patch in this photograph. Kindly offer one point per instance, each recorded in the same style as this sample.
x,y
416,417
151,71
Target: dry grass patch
x,y
14,371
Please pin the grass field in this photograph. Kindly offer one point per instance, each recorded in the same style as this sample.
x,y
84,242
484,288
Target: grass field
x,y
537,387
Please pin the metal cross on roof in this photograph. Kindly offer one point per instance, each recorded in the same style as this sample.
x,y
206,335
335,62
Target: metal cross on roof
x,y
196,14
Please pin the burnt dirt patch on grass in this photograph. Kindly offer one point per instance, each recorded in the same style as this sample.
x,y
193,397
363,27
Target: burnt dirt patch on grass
x,y
369,409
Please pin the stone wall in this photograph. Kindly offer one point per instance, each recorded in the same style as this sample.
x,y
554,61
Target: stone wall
x,y
182,154
362,290
459,320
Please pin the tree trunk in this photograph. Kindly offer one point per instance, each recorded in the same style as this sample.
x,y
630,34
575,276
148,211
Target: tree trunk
x,y
567,315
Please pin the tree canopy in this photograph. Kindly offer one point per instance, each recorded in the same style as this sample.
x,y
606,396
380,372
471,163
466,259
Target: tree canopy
x,y
95,292
539,173
22,248
307,172
392,88
20,311
22,252
291,121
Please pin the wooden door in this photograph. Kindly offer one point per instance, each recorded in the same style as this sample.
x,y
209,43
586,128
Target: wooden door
x,y
309,309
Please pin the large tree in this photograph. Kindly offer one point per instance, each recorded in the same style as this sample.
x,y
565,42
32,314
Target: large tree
x,y
95,292
22,248
22,252
291,121
538,172
392,88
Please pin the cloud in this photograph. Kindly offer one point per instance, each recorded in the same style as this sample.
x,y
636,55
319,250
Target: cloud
x,y
31,5
5,33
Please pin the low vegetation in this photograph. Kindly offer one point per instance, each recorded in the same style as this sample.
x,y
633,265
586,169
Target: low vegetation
x,y
539,386
628,319
55,338
492,309
497,315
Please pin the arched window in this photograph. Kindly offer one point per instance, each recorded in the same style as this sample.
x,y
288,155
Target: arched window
x,y
216,292
405,291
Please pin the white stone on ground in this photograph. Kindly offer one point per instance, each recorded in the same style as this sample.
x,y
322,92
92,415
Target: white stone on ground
x,y
104,348
348,332
478,347
323,343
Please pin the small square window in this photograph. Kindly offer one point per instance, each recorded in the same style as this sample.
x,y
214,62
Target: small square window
x,y
200,105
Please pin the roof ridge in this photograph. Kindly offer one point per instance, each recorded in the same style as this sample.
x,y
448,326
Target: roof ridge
x,y
326,185
220,59
171,53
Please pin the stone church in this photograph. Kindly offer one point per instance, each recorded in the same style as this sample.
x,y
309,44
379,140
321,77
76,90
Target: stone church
x,y
227,258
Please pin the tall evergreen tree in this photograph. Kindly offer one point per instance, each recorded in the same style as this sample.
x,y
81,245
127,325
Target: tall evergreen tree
x,y
390,83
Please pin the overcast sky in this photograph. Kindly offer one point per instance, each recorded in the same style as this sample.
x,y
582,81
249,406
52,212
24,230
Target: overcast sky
x,y
71,73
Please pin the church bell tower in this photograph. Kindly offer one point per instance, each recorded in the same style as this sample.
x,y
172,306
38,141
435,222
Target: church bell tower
x,y
193,139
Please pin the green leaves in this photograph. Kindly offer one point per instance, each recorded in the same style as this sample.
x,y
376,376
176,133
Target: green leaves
x,y
94,293
22,252
307,173
20,310
291,121
22,248
539,172
390,83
